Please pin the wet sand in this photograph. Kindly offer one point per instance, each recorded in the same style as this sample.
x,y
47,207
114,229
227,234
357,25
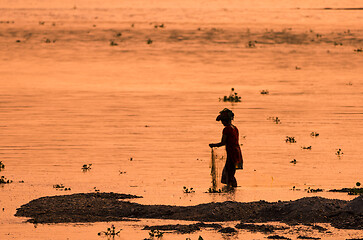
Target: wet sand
x,y
94,207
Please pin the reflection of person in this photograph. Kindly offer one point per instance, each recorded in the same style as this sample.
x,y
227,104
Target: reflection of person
x,y
230,140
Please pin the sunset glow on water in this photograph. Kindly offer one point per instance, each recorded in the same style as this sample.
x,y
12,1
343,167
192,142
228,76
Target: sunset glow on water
x,y
134,88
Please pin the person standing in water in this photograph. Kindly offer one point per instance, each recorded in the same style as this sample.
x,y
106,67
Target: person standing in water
x,y
230,139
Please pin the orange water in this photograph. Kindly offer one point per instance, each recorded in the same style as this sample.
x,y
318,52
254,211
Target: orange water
x,y
79,100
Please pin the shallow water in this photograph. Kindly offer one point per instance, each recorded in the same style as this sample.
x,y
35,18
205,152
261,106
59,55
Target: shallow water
x,y
79,100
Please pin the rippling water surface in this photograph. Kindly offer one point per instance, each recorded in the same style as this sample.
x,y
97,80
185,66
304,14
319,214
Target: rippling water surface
x,y
69,98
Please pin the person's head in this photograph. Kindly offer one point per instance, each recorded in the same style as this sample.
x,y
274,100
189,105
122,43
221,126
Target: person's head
x,y
225,116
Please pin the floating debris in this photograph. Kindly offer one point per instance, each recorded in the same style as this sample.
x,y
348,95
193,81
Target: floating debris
x,y
265,92
2,165
293,161
149,41
41,22
307,148
297,68
358,50
118,34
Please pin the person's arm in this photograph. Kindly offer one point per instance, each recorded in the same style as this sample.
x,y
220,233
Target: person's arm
x,y
222,143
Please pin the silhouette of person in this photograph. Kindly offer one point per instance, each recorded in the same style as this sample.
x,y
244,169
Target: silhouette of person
x,y
230,139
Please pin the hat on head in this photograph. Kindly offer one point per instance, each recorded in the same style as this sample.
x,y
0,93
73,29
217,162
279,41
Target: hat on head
x,y
225,114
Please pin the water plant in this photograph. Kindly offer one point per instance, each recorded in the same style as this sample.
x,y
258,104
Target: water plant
x,y
314,134
307,148
251,44
96,189
350,191
188,190
312,190
3,180
2,165
339,152
149,41
264,92
61,187
213,190
233,97
112,43
358,50
118,34
297,68
155,233
86,167
49,41
111,231
293,161
275,119
122,172
290,139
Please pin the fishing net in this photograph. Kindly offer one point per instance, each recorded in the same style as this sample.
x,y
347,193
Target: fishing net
x,y
218,159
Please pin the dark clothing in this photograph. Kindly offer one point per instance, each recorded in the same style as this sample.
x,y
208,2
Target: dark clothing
x,y
234,156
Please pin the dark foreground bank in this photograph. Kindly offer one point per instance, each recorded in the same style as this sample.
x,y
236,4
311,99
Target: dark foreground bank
x,y
101,207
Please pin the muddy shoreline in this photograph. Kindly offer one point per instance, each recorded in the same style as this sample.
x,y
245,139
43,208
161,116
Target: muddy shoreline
x,y
103,207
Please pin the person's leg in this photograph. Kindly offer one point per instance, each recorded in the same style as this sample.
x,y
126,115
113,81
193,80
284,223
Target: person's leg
x,y
231,170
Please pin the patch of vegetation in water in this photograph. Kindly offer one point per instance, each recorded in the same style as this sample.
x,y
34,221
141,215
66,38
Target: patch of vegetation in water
x,y
61,187
275,120
233,97
86,167
290,139
188,190
111,231
314,134
4,180
350,191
